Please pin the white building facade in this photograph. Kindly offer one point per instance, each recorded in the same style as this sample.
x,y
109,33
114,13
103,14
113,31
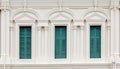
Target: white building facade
x,y
60,34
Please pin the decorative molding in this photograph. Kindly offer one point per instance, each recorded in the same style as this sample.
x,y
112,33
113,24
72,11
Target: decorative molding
x,y
11,28
63,12
74,27
106,21
13,21
78,26
82,27
108,27
49,21
31,11
45,28
24,15
36,21
94,21
85,21
5,10
98,10
72,21
23,21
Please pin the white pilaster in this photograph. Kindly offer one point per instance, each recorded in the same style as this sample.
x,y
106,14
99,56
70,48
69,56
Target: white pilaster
x,y
115,31
82,28
5,34
74,45
43,44
39,47
108,41
46,46
2,35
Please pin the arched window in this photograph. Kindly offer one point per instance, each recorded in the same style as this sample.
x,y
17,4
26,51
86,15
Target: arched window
x,y
61,28
95,25
25,28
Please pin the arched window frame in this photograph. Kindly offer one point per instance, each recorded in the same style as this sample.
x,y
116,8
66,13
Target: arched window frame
x,y
17,21
101,21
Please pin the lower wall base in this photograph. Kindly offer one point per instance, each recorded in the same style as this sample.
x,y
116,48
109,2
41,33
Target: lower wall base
x,y
59,66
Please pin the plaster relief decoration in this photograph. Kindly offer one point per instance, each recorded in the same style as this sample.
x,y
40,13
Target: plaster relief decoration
x,y
60,15
95,16
25,16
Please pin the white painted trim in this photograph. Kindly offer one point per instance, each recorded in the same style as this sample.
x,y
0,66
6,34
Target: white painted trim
x,y
67,59
57,11
18,11
103,41
27,61
99,10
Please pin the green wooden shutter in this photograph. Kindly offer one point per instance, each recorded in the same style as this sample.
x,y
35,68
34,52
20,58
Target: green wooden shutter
x,y
95,41
25,42
60,42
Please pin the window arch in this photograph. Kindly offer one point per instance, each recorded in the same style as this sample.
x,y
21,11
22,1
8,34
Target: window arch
x,y
95,15
99,11
64,14
25,32
30,14
96,33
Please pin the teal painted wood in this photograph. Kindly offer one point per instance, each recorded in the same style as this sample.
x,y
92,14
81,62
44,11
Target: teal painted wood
x,y
60,42
95,41
25,43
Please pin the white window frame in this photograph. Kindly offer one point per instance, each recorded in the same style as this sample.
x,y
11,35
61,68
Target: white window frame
x,y
25,61
60,23
103,41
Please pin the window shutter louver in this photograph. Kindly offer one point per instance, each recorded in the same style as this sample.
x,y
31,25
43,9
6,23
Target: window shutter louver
x,y
25,42
60,42
95,41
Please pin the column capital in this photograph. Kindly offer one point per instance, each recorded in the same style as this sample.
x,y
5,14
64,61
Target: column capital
x,y
45,28
108,27
76,27
11,28
82,27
